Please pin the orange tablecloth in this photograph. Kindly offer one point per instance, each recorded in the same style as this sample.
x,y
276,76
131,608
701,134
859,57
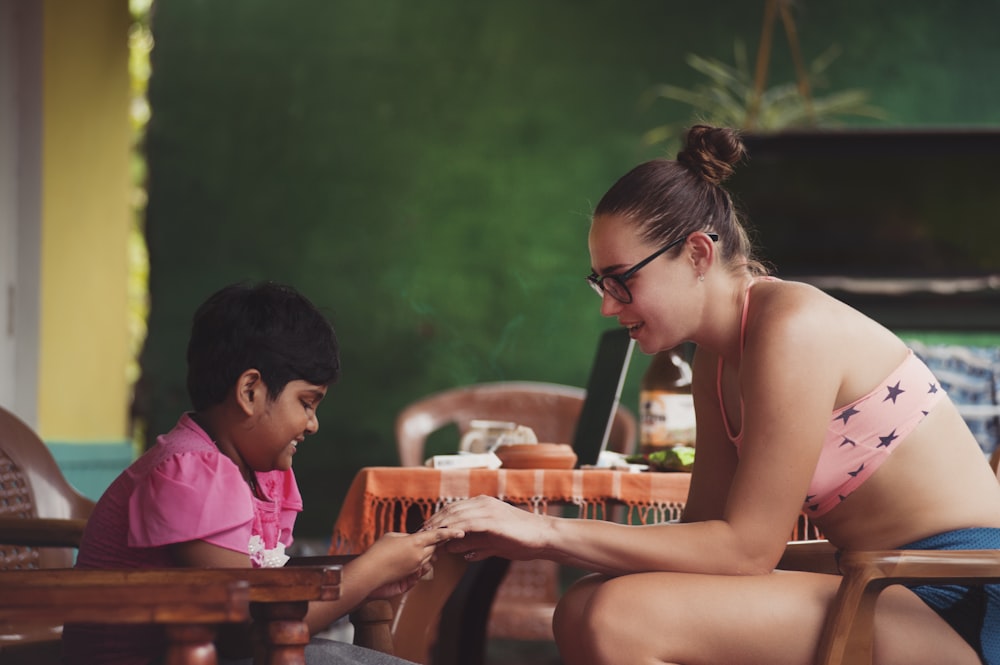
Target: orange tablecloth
x,y
380,498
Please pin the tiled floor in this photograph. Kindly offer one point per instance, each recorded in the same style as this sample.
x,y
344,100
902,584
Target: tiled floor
x,y
510,652
498,652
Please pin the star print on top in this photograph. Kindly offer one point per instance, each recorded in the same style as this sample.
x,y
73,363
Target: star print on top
x,y
864,433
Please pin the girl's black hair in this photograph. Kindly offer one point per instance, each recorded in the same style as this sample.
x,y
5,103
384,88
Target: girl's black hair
x,y
264,326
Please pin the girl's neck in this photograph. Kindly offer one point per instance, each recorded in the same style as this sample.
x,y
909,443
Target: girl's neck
x,y
210,425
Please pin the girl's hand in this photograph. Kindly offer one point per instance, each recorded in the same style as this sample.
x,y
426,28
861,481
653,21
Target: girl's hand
x,y
492,528
397,560
393,589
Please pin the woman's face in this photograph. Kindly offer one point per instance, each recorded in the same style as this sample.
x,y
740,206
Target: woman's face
x,y
660,314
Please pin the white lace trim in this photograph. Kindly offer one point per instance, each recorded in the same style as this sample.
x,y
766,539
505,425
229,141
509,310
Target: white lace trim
x,y
265,558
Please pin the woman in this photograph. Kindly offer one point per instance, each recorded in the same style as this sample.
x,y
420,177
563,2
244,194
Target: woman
x,y
797,397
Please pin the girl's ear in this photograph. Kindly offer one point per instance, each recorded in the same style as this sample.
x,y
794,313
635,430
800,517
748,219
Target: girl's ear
x,y
249,391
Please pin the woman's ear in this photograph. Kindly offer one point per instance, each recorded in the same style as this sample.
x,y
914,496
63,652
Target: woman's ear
x,y
250,391
701,251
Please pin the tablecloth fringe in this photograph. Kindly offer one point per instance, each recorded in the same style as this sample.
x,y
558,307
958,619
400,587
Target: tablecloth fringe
x,y
390,514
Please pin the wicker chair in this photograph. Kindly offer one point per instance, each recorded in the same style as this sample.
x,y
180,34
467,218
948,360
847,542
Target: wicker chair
x,y
41,515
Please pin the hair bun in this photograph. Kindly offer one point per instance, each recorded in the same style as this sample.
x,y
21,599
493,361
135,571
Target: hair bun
x,y
712,153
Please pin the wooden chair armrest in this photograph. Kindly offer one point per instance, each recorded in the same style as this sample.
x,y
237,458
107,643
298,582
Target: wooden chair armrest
x,y
918,566
813,556
41,532
847,635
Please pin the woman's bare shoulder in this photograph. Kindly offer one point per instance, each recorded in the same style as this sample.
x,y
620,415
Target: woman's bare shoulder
x,y
780,295
798,308
788,315
811,329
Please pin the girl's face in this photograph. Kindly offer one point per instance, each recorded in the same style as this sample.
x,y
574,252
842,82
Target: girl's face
x,y
279,426
659,315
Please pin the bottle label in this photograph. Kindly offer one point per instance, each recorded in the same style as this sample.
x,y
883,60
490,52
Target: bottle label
x,y
666,419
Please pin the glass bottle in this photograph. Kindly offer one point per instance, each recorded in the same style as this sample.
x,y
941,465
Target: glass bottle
x,y
666,406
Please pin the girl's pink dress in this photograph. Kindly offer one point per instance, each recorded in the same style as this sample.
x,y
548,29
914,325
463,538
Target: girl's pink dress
x,y
181,489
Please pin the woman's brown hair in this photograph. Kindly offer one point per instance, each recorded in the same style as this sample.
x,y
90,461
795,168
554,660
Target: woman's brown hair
x,y
669,199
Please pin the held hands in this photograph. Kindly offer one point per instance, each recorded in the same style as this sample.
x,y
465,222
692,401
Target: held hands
x,y
399,560
492,528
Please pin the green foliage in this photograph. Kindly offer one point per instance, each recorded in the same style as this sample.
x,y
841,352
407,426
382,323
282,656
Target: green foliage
x,y
140,43
726,98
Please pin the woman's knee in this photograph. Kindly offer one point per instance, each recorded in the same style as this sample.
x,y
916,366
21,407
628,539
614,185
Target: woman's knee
x,y
610,606
590,611
568,622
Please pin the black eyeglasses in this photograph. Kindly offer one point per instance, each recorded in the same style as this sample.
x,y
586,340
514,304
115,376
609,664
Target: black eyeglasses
x,y
614,285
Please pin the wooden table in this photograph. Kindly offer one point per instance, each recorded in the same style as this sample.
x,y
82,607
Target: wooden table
x,y
384,499
188,602
34,603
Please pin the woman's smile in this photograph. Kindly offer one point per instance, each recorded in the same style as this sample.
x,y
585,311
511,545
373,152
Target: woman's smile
x,y
633,328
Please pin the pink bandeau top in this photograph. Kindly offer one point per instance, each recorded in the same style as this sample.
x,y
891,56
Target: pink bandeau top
x,y
862,434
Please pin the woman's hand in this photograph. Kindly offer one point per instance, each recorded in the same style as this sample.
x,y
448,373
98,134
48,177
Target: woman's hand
x,y
492,528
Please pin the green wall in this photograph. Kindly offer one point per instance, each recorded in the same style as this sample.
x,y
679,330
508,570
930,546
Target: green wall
x,y
424,171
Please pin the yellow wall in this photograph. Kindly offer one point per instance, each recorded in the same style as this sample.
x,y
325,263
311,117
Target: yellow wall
x,y
83,392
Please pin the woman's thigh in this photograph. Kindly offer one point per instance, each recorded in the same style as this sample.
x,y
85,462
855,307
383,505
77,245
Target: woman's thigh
x,y
768,619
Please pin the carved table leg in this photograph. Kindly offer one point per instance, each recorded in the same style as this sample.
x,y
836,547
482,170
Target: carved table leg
x,y
282,632
373,626
190,644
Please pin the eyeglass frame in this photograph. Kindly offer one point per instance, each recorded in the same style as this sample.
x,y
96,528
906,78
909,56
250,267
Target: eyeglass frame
x,y
597,281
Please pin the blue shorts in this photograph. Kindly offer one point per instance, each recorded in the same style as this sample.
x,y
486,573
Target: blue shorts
x,y
974,612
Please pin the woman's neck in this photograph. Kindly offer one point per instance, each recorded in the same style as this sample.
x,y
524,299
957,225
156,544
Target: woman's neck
x,y
721,332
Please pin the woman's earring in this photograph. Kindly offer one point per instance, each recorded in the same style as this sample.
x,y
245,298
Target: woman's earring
x,y
701,278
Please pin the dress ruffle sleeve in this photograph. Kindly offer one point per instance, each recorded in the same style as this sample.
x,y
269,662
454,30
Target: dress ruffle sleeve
x,y
284,491
191,496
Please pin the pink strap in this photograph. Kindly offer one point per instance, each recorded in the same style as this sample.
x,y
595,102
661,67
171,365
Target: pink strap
x,y
736,438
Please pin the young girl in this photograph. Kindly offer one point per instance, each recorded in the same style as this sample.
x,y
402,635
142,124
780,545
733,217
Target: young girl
x,y
803,405
218,490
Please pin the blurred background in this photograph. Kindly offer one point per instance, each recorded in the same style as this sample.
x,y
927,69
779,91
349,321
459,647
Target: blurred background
x,y
424,172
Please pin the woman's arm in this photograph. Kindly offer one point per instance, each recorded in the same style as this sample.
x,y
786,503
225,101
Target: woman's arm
x,y
715,456
741,514
791,374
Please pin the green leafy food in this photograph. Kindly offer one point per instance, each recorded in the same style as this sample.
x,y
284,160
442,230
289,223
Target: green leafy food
x,y
676,458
